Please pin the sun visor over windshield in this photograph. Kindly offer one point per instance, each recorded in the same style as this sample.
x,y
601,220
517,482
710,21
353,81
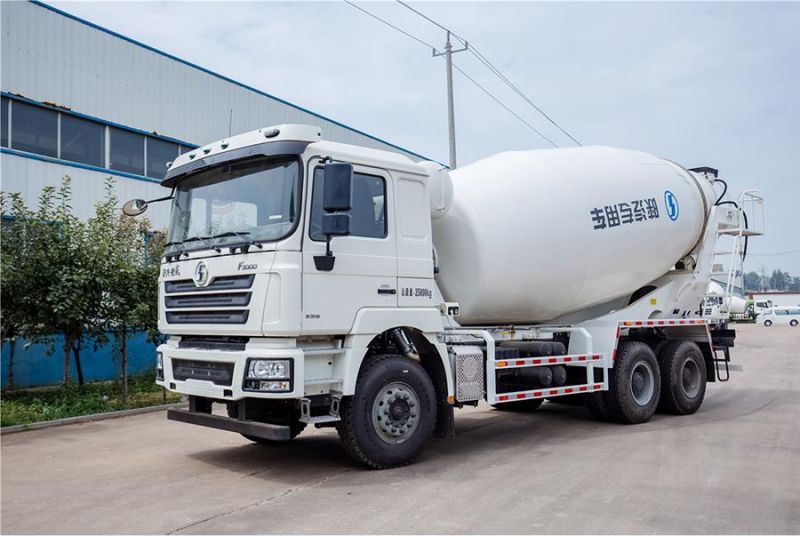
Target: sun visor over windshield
x,y
268,149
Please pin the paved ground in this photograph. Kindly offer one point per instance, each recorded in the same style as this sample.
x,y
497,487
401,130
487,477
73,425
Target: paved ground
x,y
734,467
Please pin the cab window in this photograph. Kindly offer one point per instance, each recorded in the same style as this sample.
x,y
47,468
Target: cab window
x,y
368,215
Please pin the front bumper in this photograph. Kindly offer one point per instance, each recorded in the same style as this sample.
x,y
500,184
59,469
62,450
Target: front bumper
x,y
261,430
233,391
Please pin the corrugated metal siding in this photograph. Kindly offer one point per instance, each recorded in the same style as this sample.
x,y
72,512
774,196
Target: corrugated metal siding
x,y
28,176
49,57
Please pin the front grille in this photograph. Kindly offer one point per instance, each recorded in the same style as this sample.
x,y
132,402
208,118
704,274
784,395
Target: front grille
x,y
208,317
228,282
208,300
217,373
205,342
182,299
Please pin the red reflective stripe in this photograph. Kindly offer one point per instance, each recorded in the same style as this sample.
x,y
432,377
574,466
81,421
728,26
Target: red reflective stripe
x,y
537,361
583,388
502,398
521,395
553,360
567,359
520,362
614,355
598,386
683,321
638,322
537,394
568,390
581,358
671,322
553,391
649,322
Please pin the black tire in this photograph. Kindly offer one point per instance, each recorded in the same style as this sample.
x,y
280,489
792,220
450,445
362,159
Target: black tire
x,y
793,323
634,384
521,406
683,378
768,323
597,405
295,427
377,440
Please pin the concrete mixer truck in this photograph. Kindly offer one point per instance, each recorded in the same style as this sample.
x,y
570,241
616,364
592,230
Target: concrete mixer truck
x,y
307,282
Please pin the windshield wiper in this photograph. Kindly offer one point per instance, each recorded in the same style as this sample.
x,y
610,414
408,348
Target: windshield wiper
x,y
195,238
247,242
231,233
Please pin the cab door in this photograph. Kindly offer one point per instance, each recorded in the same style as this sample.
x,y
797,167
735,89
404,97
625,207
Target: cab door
x,y
364,273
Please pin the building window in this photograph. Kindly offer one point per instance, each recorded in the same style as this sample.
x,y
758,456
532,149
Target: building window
x,y
34,129
159,154
127,151
368,215
4,122
82,141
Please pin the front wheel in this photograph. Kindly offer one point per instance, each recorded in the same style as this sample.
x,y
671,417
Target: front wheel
x,y
793,323
768,323
391,416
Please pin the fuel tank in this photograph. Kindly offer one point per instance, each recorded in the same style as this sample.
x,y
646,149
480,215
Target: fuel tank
x,y
528,236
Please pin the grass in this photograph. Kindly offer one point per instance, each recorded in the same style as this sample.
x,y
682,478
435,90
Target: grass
x,y
25,407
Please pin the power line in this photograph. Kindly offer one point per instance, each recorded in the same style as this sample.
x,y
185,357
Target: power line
x,y
390,25
790,252
509,110
428,45
494,70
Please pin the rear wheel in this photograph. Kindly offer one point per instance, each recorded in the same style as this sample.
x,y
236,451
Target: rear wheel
x,y
521,406
768,323
634,384
683,377
391,416
793,323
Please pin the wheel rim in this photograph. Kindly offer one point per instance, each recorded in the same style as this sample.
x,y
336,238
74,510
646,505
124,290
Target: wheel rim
x,y
395,412
642,382
690,378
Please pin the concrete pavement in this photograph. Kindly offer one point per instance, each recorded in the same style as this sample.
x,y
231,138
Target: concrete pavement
x,y
732,467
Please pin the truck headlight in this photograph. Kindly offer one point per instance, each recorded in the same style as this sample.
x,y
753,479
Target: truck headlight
x,y
159,366
268,369
268,375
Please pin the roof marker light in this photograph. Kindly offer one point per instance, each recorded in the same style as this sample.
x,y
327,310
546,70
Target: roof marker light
x,y
271,133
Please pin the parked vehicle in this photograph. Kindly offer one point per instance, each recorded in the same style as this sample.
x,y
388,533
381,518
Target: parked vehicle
x,y
781,316
316,283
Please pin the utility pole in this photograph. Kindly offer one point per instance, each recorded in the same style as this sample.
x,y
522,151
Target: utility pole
x,y
451,120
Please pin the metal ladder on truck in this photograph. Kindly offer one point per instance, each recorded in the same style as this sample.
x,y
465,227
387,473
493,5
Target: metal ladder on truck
x,y
749,202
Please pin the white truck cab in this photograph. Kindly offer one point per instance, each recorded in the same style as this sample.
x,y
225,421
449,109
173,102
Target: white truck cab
x,y
299,287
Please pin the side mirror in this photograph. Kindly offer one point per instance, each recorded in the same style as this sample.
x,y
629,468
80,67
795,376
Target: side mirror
x,y
134,207
337,200
337,191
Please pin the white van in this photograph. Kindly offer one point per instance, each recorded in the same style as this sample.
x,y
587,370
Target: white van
x,y
789,315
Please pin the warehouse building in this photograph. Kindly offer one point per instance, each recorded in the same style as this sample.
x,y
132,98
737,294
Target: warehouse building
x,y
84,101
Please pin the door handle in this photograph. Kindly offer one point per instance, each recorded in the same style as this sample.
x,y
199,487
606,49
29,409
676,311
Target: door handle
x,y
387,291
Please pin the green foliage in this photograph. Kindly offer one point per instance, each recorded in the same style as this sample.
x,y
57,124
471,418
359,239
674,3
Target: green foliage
x,y
25,407
79,278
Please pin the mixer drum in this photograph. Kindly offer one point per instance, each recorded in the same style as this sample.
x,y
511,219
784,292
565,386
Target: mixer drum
x,y
533,235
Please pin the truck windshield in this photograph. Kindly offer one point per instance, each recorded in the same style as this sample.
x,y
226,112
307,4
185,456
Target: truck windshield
x,y
253,200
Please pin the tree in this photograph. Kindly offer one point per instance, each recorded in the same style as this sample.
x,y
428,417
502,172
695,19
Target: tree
x,y
752,281
129,257
52,287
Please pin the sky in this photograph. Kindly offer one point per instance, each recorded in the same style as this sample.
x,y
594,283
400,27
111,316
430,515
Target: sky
x,y
703,84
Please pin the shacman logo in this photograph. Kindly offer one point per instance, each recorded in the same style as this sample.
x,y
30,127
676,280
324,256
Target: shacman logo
x,y
201,274
671,203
